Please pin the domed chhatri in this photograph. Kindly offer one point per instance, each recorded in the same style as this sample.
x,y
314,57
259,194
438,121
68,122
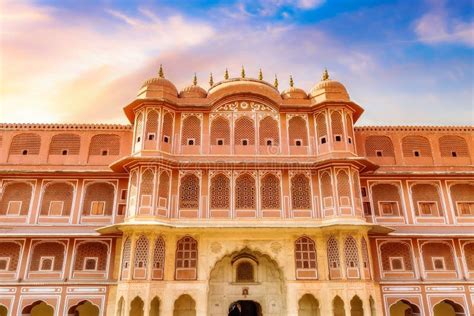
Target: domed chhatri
x,y
293,93
158,87
329,90
193,91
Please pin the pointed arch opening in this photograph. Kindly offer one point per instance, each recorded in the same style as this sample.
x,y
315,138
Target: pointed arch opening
x,y
356,306
338,306
137,307
184,306
308,305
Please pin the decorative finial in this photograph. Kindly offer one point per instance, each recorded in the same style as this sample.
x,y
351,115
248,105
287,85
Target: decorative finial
x,y
242,72
275,83
260,74
195,80
211,80
291,81
161,74
325,74
226,74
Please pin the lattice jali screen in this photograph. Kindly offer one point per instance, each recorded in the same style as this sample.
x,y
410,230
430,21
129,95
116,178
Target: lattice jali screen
x,y
396,249
379,143
336,123
48,249
220,130
326,186
270,192
450,143
139,127
269,130
343,187
333,253
61,142
357,191
437,249
147,184
25,141
191,129
220,192
163,188
16,191
57,191
168,125
92,250
11,250
186,253
305,253
351,252
104,142
151,123
141,252
127,246
410,144
385,192
132,194
99,191
469,255
461,192
349,127
245,272
189,192
321,125
245,192
365,253
300,192
297,130
425,192
244,129
159,254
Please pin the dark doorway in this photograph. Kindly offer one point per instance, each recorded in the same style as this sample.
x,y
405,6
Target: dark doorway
x,y
245,308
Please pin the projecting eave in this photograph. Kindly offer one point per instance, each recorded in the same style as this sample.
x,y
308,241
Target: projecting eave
x,y
130,108
356,108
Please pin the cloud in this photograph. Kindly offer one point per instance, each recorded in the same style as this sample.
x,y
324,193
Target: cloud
x,y
438,27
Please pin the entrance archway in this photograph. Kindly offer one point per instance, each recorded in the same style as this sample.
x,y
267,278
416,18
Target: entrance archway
x,y
245,308
404,308
84,308
308,306
3,311
448,308
262,282
38,308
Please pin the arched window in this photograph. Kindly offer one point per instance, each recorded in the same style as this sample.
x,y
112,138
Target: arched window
x,y
105,145
167,129
338,306
137,306
453,146
141,258
191,131
269,132
9,255
300,192
16,198
155,307
462,195
321,128
151,129
220,192
245,192
245,272
306,259
344,188
308,306
365,254
47,256
379,146
349,128
416,146
270,192
351,252
337,126
297,131
57,199
98,199
91,256
65,144
186,258
220,131
386,198
146,190
469,255
333,253
126,258
356,306
25,144
438,256
159,259
396,256
184,306
426,199
326,189
163,189
132,194
139,131
244,133
189,192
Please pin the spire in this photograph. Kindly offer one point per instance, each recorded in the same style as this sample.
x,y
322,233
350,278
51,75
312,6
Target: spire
x,y
325,74
291,81
195,80
260,74
275,83
226,74
242,72
211,80
161,74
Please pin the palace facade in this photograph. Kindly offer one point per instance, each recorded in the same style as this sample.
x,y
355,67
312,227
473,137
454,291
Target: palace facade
x,y
235,200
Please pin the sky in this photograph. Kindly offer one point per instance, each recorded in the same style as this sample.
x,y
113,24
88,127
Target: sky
x,y
408,62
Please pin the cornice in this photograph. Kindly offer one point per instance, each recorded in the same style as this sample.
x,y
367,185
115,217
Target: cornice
x,y
414,128
63,126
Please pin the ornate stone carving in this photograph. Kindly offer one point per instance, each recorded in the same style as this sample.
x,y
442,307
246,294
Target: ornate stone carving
x,y
244,106
275,247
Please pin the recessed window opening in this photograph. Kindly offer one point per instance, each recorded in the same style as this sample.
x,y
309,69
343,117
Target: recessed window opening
x,y
323,140
104,152
338,138
269,142
245,142
454,154
64,152
364,191
397,264
416,153
90,264
298,142
438,263
139,139
220,142
379,153
46,263
151,136
190,142
166,139
24,152
349,140
4,263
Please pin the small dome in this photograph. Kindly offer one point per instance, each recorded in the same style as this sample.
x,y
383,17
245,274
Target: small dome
x,y
329,90
193,91
294,93
158,87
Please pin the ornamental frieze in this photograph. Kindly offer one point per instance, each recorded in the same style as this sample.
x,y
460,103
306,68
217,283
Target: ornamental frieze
x,y
244,106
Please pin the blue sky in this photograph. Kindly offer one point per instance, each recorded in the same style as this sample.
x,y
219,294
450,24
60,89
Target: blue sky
x,y
405,62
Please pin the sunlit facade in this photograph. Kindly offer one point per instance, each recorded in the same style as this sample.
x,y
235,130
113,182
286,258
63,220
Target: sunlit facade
x,y
236,197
